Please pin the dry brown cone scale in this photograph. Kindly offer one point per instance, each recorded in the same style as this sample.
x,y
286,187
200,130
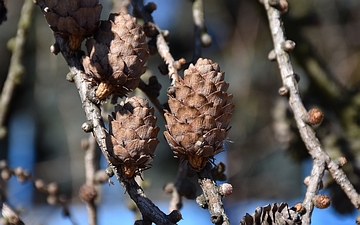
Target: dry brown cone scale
x,y
117,54
198,121
132,136
72,20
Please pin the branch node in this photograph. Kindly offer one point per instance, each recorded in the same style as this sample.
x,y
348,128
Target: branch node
x,y
165,33
217,218
171,90
288,45
225,189
218,172
39,184
272,55
109,171
52,188
313,117
280,5
150,7
299,208
87,126
341,161
206,40
284,91
321,201
21,174
55,48
201,201
150,29
87,193
70,77
179,64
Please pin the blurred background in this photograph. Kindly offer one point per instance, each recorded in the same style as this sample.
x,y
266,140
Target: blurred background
x,y
266,160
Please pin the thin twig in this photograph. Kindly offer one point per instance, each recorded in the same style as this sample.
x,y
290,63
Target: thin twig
x,y
154,100
16,68
198,17
162,46
175,189
90,170
321,159
212,196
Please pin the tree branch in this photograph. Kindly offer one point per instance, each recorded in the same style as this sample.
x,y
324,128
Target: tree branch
x,y
321,160
162,46
16,68
212,197
198,17
88,192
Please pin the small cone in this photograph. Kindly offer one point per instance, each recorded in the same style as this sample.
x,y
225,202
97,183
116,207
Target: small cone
x,y
198,121
117,55
132,136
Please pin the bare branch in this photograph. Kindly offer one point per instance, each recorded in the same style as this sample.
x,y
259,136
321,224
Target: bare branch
x,y
212,197
88,192
321,160
16,68
162,46
198,17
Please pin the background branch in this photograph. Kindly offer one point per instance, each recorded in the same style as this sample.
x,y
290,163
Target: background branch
x,y
16,69
89,191
199,27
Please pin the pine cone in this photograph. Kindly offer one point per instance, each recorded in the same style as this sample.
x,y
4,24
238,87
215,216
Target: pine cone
x,y
118,53
200,114
276,214
73,20
132,135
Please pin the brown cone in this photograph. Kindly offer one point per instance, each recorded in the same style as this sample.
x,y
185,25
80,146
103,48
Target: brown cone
x,y
73,20
118,53
132,135
200,114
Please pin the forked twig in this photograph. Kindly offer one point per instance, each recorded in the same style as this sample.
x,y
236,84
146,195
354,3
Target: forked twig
x,y
321,159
